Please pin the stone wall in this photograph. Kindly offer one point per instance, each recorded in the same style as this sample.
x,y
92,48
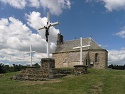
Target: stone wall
x,y
59,59
63,60
102,61
47,63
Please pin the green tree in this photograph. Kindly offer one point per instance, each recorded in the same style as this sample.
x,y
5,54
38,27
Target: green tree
x,y
2,68
36,65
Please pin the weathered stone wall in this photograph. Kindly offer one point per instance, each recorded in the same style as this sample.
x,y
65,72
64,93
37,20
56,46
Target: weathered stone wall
x,y
47,63
68,59
102,59
70,64
61,59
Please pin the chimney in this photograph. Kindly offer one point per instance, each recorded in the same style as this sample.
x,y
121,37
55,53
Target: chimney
x,y
59,39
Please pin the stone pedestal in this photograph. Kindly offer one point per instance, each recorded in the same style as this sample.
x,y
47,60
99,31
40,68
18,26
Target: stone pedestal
x,y
47,63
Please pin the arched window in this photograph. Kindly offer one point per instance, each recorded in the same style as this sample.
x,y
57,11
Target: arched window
x,y
96,57
86,62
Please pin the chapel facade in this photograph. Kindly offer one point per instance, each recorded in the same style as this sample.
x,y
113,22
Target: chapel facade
x,y
93,56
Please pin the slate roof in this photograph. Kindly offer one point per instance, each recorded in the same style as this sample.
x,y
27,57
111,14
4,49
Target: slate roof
x,y
68,45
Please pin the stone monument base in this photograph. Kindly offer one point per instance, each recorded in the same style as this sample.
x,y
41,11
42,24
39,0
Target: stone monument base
x,y
47,63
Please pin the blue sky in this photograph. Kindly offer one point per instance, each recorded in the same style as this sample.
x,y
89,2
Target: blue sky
x,y
103,20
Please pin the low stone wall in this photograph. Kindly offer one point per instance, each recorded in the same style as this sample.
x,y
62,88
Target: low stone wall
x,y
80,69
39,74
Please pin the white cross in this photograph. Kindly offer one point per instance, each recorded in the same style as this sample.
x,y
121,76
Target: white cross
x,y
30,54
47,26
81,49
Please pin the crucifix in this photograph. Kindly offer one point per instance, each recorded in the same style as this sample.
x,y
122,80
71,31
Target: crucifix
x,y
81,46
46,27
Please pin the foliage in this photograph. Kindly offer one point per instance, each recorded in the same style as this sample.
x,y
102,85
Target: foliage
x,y
2,68
97,81
36,65
118,67
14,68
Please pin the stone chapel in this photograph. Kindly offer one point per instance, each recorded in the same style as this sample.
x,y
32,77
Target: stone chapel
x,y
93,56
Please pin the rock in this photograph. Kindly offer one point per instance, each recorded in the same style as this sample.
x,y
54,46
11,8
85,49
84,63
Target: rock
x,y
1,75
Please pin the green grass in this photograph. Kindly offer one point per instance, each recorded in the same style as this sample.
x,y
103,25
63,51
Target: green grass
x,y
97,81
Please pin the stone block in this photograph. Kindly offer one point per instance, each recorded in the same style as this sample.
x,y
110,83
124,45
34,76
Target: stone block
x,y
47,63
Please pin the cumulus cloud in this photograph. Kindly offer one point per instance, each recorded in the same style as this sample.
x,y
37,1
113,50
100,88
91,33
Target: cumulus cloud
x,y
55,6
121,33
116,57
15,3
111,5
16,38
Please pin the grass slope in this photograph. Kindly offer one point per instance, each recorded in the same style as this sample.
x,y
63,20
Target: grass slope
x,y
96,82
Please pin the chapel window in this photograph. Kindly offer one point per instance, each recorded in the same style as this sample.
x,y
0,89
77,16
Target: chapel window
x,y
86,62
96,57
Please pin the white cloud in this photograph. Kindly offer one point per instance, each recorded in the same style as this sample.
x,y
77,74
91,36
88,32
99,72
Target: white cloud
x,y
16,37
121,33
111,5
15,3
116,57
34,3
55,6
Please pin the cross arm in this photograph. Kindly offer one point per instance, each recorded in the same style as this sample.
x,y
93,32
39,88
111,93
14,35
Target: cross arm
x,y
41,28
53,24
33,51
29,52
76,47
80,47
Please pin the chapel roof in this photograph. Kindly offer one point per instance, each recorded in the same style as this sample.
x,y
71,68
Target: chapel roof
x,y
68,45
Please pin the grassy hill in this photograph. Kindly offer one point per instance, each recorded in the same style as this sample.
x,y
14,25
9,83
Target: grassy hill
x,y
95,82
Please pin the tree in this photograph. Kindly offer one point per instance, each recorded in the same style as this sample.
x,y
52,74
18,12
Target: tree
x,y
36,65
7,68
2,68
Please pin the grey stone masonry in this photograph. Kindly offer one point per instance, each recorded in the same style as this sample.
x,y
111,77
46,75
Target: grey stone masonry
x,y
47,63
69,59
